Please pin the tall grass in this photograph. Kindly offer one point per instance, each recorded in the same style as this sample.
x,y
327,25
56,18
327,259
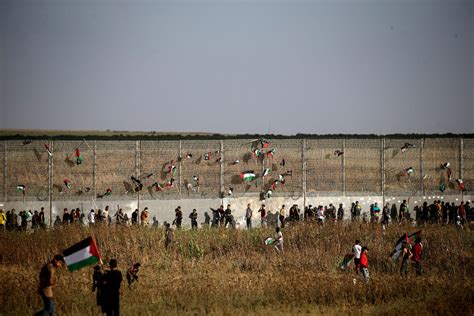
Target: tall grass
x,y
232,272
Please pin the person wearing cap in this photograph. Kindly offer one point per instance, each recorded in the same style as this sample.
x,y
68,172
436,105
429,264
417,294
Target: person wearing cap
x,y
364,264
47,281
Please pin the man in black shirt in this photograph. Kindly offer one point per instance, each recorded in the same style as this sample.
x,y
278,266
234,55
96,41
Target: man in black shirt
x,y
111,289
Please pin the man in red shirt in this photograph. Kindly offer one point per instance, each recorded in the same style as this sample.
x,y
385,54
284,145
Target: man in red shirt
x,y
417,249
364,264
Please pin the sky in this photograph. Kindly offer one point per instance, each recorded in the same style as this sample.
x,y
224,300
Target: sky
x,y
225,66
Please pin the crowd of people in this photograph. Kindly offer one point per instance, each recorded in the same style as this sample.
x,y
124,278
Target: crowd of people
x,y
107,283
438,212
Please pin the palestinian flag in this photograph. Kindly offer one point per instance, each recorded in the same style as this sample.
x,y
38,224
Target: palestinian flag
x,y
406,147
269,241
264,143
108,192
158,186
171,167
169,184
257,153
461,184
67,183
79,157
270,153
268,193
197,183
174,171
47,149
398,246
189,156
82,254
442,187
446,165
346,261
266,172
207,156
449,174
21,188
409,171
247,176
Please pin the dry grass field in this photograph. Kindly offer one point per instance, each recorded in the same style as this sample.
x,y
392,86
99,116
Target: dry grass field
x,y
232,272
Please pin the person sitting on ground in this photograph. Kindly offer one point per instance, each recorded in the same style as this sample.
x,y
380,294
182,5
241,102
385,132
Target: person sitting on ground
x,y
278,240
132,273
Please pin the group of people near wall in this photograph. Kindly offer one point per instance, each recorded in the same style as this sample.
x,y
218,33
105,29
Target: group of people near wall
x,y
437,212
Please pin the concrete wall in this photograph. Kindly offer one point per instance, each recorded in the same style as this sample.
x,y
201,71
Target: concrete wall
x,y
369,169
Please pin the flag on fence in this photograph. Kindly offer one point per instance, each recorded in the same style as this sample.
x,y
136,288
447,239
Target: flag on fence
x,y
21,188
47,149
247,176
266,172
79,157
409,172
346,261
82,254
460,184
270,153
398,246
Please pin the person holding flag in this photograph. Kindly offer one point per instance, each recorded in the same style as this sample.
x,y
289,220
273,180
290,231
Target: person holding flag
x,y
47,281
406,256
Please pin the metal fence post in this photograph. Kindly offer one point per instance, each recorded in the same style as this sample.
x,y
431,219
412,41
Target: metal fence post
x,y
343,162
303,159
222,193
180,183
422,183
94,169
5,171
50,182
137,167
461,158
382,166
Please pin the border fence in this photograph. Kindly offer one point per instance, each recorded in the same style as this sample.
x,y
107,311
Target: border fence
x,y
328,167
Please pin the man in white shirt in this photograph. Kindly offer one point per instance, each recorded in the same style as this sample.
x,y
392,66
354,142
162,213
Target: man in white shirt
x,y
357,250
91,217
278,240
